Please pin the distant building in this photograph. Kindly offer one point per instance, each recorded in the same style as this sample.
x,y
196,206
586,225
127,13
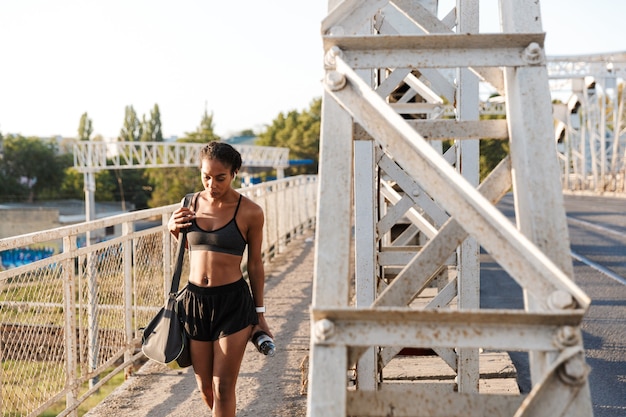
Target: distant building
x,y
22,218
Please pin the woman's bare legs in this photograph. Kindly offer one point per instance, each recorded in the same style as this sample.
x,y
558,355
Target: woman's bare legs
x,y
216,365
227,356
202,361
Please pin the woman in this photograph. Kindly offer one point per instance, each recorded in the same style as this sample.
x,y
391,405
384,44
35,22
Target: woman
x,y
220,314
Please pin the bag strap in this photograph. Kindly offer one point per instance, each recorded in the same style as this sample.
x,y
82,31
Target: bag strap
x,y
180,250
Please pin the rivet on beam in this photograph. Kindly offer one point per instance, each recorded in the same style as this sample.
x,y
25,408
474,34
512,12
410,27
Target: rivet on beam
x,y
533,54
561,300
566,336
335,80
574,371
324,329
330,55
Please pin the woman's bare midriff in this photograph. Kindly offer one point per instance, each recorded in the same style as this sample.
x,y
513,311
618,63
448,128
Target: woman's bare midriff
x,y
212,269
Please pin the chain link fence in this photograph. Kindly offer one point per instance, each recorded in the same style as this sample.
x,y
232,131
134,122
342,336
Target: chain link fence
x,y
71,321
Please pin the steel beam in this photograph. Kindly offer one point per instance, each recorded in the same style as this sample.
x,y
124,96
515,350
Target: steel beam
x,y
435,50
420,399
507,330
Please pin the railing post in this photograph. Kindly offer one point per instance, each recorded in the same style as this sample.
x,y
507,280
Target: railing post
x,y
283,218
92,316
69,297
92,312
272,199
128,250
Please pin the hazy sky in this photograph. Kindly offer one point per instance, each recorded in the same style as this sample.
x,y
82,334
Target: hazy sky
x,y
245,60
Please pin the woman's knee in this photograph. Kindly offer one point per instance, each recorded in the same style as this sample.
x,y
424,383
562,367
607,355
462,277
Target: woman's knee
x,y
224,388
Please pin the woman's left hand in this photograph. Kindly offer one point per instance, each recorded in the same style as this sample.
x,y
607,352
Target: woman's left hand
x,y
262,326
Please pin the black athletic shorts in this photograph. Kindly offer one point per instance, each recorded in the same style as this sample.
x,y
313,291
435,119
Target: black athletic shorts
x,y
209,313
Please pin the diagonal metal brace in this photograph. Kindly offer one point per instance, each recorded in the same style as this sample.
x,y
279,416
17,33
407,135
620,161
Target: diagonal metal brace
x,y
564,390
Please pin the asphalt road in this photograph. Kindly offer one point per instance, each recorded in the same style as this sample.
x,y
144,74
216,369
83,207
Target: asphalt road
x,y
597,228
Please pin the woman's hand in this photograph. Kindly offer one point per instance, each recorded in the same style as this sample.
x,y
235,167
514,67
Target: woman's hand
x,y
262,326
180,219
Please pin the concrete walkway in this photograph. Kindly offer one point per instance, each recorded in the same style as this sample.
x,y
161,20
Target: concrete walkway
x,y
274,386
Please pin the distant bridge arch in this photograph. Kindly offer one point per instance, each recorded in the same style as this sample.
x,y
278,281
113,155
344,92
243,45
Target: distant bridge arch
x,y
93,156
591,120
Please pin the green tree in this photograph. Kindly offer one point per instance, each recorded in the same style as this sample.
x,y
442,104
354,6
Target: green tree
x,y
9,186
131,129
247,132
204,133
131,184
30,166
152,131
134,187
85,127
300,132
73,183
491,151
169,185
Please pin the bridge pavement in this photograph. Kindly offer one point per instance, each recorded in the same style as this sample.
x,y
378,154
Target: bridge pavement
x,y
274,386
597,232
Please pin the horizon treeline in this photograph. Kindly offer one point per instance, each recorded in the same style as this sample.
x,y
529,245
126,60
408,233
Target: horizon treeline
x,y
41,169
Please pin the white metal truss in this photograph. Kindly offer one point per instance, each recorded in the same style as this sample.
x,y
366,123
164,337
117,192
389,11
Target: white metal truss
x,y
93,156
590,128
418,214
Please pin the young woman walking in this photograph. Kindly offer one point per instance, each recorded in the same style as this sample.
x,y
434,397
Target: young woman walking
x,y
219,309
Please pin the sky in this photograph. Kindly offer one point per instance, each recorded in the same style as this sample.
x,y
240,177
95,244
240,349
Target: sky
x,y
244,61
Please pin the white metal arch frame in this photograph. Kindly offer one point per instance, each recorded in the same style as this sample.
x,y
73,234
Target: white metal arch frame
x,y
94,156
374,49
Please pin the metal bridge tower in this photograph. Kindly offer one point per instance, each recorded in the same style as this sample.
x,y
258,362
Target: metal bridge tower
x,y
417,215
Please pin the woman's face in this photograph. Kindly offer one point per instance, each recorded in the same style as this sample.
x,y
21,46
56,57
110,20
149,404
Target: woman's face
x,y
216,177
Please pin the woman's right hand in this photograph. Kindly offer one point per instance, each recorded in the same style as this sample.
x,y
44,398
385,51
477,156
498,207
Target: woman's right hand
x,y
180,219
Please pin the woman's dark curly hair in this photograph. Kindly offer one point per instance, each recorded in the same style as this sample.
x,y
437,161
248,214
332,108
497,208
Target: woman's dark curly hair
x,y
222,152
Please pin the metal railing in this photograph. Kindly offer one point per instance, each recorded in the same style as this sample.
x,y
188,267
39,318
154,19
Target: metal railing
x,y
68,318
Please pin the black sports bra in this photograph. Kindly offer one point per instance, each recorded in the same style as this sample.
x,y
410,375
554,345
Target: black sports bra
x,y
226,239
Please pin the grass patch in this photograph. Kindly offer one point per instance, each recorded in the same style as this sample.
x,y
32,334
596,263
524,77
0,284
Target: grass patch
x,y
90,402
17,393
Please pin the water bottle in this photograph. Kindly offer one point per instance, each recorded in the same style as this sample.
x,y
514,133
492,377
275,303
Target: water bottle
x,y
264,343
